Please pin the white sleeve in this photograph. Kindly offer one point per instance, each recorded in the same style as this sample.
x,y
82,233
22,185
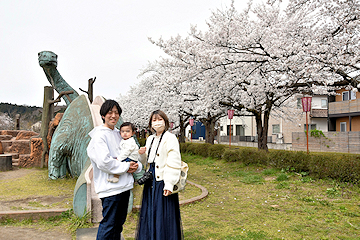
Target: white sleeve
x,y
126,148
172,169
99,153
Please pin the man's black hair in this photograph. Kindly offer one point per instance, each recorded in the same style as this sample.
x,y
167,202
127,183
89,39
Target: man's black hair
x,y
128,124
108,106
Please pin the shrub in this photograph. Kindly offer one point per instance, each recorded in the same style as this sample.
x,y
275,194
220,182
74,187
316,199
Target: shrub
x,y
231,155
297,161
184,147
254,156
202,149
216,151
191,148
343,167
339,166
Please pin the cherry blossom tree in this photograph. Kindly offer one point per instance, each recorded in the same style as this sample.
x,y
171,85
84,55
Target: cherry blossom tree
x,y
159,89
254,61
6,122
257,59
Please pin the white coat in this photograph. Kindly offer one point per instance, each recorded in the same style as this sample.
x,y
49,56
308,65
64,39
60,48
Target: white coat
x,y
167,160
103,151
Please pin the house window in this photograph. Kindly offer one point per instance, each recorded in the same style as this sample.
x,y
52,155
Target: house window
x,y
343,127
221,128
311,127
228,130
299,104
348,95
323,103
275,128
240,130
345,96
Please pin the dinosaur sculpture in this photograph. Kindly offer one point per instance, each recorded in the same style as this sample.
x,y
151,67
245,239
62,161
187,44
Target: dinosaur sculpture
x,y
48,61
70,139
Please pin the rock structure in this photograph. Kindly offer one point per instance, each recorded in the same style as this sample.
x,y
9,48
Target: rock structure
x,y
22,148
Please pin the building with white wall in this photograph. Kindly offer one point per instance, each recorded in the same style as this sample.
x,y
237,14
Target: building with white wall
x,y
280,129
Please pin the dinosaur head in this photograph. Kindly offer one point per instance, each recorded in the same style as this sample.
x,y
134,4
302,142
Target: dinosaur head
x,y
47,58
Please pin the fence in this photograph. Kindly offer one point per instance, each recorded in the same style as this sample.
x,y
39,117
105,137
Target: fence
x,y
251,141
235,139
348,142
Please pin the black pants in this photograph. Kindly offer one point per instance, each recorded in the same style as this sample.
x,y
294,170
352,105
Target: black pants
x,y
114,216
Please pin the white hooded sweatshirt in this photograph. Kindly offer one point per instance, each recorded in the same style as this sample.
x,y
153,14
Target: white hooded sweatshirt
x,y
103,151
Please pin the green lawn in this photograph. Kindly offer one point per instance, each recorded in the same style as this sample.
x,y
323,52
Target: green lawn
x,y
258,203
244,202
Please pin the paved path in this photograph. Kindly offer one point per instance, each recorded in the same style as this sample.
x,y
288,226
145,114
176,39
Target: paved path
x,y
23,233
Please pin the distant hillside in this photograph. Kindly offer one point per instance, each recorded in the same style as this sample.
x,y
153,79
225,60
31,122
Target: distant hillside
x,y
12,109
28,114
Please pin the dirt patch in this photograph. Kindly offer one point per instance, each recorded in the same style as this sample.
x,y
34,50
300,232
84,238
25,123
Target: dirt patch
x,y
270,178
32,203
15,173
21,233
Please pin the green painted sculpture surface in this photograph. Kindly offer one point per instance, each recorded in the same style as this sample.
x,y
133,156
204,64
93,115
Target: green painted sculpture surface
x,y
48,61
70,140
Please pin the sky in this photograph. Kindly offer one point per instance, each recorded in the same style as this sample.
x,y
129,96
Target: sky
x,y
103,39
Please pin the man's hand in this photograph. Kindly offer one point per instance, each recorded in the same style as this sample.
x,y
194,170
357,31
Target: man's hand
x,y
142,150
133,167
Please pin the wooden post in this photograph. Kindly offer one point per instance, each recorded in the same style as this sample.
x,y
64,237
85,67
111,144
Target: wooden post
x,y
17,125
47,115
90,90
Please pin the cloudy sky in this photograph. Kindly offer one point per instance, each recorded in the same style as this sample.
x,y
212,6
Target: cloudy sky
x,y
107,39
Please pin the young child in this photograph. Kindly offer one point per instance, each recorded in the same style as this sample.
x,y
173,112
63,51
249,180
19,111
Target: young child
x,y
129,149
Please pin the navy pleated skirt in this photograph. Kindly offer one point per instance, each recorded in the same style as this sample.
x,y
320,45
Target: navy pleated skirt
x,y
159,215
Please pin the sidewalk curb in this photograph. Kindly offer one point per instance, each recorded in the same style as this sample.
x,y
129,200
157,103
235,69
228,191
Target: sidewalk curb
x,y
33,214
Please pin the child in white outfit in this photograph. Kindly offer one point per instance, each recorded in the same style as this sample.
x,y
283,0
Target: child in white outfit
x,y
128,149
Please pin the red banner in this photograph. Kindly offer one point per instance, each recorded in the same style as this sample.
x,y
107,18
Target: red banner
x,y
231,114
306,104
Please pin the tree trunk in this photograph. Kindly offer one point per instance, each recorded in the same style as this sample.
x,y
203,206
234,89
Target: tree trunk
x,y
182,130
209,129
262,127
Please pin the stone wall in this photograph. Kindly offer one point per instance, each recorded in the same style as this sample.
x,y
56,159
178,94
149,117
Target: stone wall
x,y
346,142
25,150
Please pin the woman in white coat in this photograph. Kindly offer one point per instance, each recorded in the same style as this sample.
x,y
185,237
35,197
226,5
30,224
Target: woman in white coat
x,y
160,212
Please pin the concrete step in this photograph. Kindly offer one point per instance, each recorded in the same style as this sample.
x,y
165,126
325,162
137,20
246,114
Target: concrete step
x,y
14,155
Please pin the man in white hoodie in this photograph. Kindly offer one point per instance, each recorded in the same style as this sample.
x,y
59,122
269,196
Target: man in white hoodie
x,y
103,151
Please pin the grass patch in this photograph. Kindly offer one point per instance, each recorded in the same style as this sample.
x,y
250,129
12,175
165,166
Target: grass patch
x,y
67,221
282,177
242,205
35,184
248,202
